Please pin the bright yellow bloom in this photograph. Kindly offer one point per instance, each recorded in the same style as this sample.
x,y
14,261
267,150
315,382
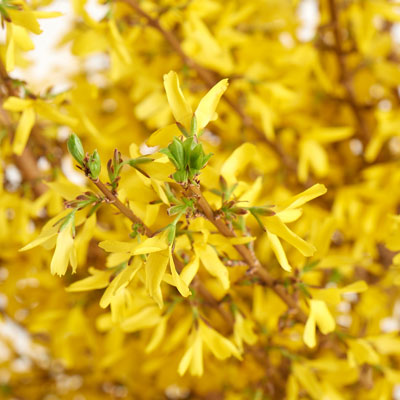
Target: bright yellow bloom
x,y
319,316
221,348
182,111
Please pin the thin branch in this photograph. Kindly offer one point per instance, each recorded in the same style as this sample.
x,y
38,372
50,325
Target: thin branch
x,y
121,207
249,256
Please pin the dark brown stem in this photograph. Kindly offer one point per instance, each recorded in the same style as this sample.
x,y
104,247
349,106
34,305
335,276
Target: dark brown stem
x,y
249,256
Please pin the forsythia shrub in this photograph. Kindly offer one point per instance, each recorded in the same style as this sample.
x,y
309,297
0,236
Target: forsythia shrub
x,y
249,254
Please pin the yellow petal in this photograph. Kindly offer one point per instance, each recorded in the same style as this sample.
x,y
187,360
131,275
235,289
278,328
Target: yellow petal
x,y
237,162
244,331
212,263
47,14
122,280
185,361
26,19
220,346
278,251
115,246
64,246
156,265
206,109
10,52
158,335
196,366
178,281
355,287
45,235
151,245
65,189
16,104
24,128
53,114
98,280
22,39
309,332
190,270
179,106
277,227
323,316
145,318
304,197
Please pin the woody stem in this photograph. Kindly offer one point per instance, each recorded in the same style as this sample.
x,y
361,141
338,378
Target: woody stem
x,y
249,256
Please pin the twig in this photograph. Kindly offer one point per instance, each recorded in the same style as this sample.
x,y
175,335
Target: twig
x,y
249,256
121,207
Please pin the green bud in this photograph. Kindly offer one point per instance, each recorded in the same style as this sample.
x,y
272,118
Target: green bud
x,y
76,149
176,149
196,157
94,165
180,176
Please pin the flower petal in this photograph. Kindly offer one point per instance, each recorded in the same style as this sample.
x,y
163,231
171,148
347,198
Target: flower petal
x,y
179,106
206,109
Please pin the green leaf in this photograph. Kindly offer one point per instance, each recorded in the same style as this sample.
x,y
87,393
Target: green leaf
x,y
196,157
76,149
94,165
177,152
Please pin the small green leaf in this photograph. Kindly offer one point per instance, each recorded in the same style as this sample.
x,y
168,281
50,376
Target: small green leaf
x,y
94,165
76,149
176,149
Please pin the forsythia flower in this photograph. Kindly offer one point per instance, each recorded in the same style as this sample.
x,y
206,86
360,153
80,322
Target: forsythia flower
x,y
319,316
182,111
221,348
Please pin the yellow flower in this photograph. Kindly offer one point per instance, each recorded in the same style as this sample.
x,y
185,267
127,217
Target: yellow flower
x,y
244,331
319,316
29,108
65,251
289,211
182,111
212,263
220,346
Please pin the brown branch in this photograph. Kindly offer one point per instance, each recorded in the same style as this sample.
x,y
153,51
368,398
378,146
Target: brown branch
x,y
249,256
121,207
210,80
